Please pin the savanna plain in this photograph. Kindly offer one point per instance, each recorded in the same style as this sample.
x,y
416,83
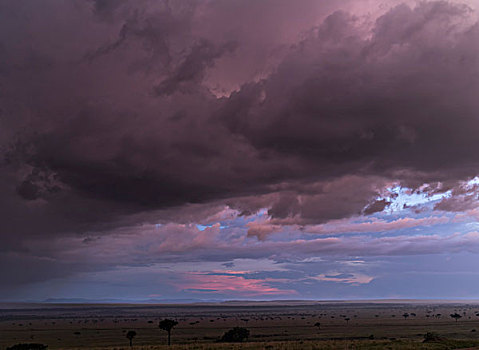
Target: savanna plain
x,y
271,325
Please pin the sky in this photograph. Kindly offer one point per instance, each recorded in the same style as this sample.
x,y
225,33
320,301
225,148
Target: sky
x,y
253,149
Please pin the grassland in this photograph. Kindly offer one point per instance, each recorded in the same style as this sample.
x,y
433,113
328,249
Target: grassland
x,y
288,325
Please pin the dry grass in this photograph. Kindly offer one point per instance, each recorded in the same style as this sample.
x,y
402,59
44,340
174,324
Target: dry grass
x,y
276,327
313,345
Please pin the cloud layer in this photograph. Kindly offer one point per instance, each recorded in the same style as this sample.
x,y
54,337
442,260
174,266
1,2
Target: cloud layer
x,y
277,127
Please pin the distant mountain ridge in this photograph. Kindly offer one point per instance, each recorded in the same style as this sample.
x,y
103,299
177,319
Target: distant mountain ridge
x,y
125,301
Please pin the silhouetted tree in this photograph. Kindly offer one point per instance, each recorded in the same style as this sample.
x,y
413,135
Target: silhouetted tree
x,y
456,316
235,335
317,324
405,315
130,335
347,320
167,325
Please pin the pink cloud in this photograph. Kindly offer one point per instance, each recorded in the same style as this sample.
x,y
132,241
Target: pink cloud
x,y
375,225
231,284
262,230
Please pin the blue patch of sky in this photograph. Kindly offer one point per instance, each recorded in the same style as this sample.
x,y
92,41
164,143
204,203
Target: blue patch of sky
x,y
204,227
237,222
402,198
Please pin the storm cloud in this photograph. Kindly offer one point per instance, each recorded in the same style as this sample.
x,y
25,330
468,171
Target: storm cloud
x,y
275,116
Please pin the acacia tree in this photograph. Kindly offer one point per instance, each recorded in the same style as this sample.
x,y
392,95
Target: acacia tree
x,y
130,335
167,325
456,316
405,315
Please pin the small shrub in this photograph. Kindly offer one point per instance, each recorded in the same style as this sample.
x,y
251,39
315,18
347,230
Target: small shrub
x,y
432,337
25,346
235,335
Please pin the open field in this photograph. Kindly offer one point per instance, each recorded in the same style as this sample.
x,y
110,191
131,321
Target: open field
x,y
272,325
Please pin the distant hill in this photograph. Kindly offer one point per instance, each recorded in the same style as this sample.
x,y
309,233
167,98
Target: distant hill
x,y
124,301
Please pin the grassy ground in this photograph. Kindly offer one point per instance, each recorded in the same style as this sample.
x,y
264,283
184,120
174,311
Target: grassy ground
x,y
317,345
342,326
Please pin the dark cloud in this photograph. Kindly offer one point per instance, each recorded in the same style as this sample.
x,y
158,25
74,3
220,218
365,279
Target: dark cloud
x,y
345,100
191,70
462,197
107,8
376,206
376,104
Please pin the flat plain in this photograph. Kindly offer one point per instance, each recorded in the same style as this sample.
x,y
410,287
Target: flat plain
x,y
272,325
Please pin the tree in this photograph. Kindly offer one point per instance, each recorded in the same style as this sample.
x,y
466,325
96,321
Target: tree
x,y
456,316
317,324
167,325
347,320
405,315
130,335
235,335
